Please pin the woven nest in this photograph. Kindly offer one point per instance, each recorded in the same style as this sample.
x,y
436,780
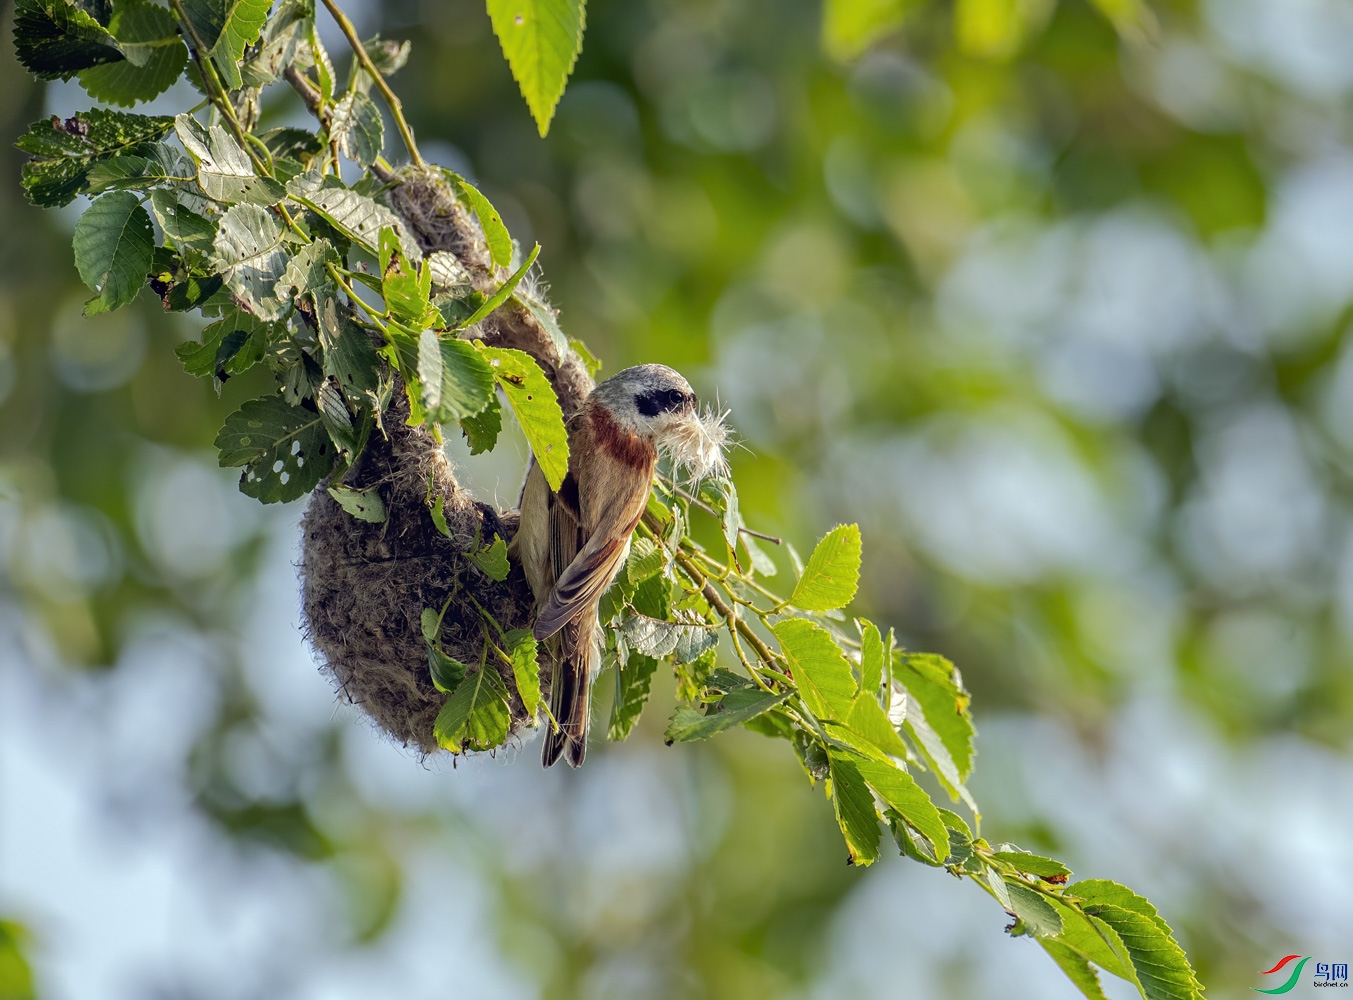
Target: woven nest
x,y
364,585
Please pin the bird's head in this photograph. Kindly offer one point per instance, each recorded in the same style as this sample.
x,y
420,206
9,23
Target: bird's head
x,y
655,402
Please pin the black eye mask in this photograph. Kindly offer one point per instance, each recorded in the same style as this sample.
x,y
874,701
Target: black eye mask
x,y
650,404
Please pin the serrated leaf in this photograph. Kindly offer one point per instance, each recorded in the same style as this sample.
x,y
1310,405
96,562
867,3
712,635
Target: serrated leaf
x,y
282,36
249,253
734,708
521,654
284,449
832,575
657,638
291,143
358,129
1039,918
761,563
354,215
456,381
818,666
1032,864
1162,970
495,233
646,560
855,812
229,346
180,224
226,27
545,316
532,399
55,39
541,40
871,659
476,716
492,560
64,151
1075,968
307,274
937,757
149,37
349,355
721,494
633,680
405,288
447,271
1094,940
447,672
114,250
224,170
868,719
900,791
935,685
482,429
155,163
365,505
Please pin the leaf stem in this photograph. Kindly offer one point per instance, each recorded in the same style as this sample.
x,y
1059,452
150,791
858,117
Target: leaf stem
x,y
391,99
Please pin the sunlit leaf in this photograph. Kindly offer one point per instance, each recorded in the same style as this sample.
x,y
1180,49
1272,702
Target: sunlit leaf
x,y
365,505
532,399
901,792
541,40
476,716
224,169
495,233
492,560
734,708
521,649
832,575
855,812
358,129
250,254
819,668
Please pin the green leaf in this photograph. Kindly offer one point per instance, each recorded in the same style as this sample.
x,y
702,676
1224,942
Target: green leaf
x,y
541,40
114,250
1160,963
832,575
55,39
307,274
457,382
447,672
492,560
646,560
181,225
495,233
149,36
849,27
349,355
155,163
223,169
532,399
935,685
658,638
720,494
901,792
64,151
1075,967
732,709
226,27
439,516
231,345
365,505
284,449
356,216
871,659
633,679
1094,940
283,35
1038,916
521,655
357,127
476,716
1032,864
249,254
868,719
481,430
819,668
855,812
503,293
937,757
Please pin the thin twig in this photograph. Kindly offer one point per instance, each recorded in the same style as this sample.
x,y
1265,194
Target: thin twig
x,y
715,514
391,99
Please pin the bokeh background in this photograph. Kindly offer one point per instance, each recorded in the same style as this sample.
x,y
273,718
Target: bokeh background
x,y
1055,311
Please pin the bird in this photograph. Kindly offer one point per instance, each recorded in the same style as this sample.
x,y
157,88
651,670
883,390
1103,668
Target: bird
x,y
572,542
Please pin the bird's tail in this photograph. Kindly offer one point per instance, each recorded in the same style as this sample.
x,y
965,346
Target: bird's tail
x,y
575,657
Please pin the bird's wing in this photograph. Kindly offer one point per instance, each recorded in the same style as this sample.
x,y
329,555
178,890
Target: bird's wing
x,y
583,582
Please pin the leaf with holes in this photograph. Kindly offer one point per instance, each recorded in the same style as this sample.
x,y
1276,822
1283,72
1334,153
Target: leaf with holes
x,y
64,151
249,253
231,345
365,505
223,168
284,449
532,399
541,40
114,250
357,127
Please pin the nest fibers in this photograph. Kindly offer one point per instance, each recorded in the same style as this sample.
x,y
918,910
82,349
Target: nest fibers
x,y
364,585
696,447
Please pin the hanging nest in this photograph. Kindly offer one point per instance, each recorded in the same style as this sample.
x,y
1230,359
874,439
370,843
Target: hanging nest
x,y
365,585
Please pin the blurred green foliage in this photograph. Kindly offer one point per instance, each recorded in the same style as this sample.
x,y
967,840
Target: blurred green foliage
x,y
1139,439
